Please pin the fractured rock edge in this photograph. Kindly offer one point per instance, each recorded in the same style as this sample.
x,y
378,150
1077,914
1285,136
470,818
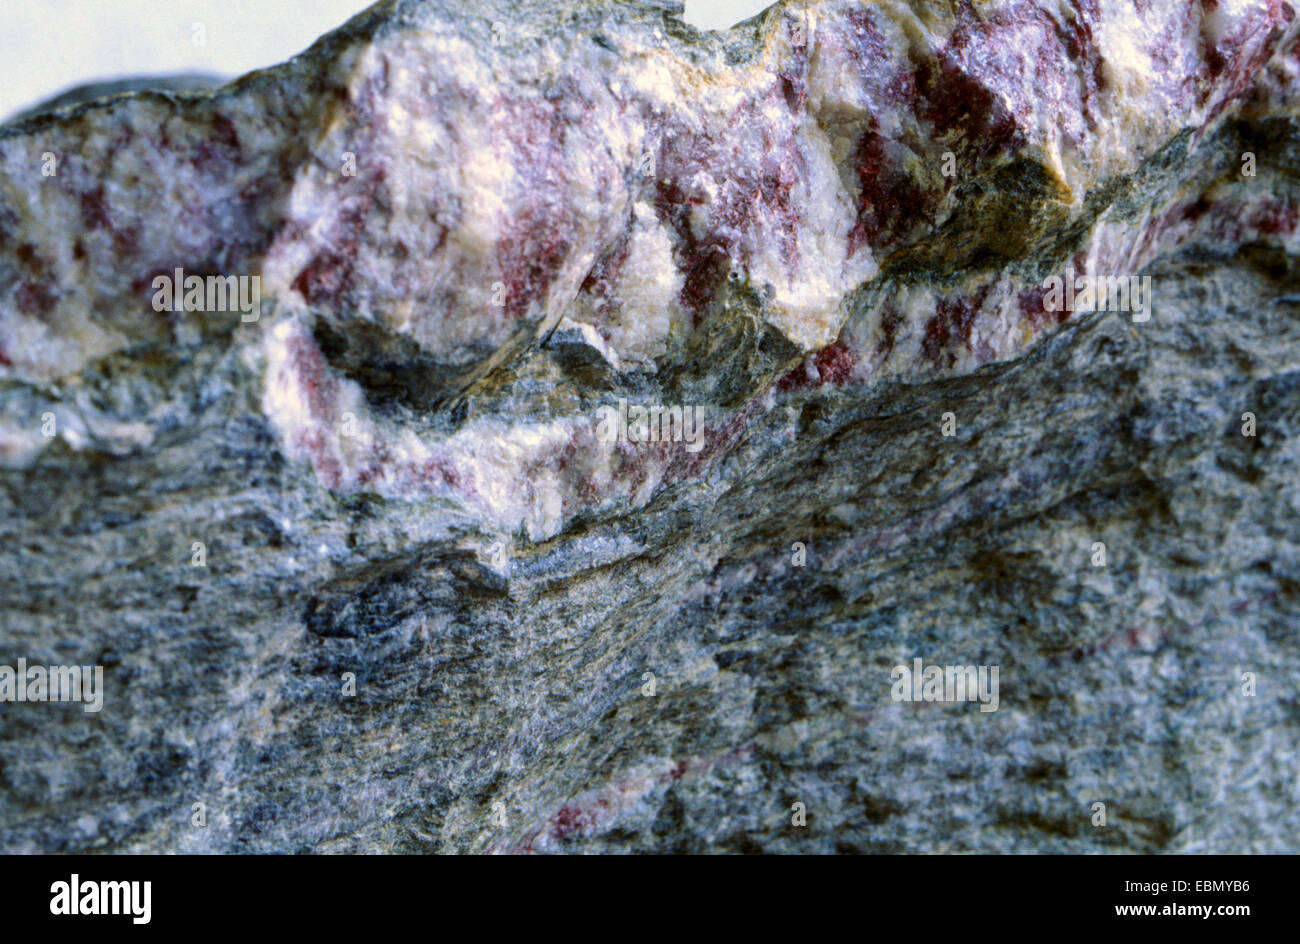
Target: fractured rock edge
x,y
522,686
957,292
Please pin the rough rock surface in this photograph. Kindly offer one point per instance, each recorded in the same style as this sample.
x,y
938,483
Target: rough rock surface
x,y
829,228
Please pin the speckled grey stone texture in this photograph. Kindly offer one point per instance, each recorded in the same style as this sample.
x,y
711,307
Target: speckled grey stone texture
x,y
501,697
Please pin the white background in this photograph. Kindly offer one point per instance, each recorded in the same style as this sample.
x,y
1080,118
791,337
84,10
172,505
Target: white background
x,y
48,46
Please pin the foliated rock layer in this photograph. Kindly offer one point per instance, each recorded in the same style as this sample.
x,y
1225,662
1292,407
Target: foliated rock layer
x,y
832,232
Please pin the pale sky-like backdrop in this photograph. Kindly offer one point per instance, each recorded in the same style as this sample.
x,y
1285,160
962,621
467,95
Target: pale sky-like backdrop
x,y
48,46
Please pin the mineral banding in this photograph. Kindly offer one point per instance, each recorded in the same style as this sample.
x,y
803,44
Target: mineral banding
x,y
363,576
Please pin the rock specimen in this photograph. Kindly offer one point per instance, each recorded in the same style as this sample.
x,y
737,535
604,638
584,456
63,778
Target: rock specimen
x,y
544,427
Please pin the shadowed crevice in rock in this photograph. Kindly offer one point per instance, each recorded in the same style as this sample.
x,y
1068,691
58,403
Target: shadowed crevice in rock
x,y
399,483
